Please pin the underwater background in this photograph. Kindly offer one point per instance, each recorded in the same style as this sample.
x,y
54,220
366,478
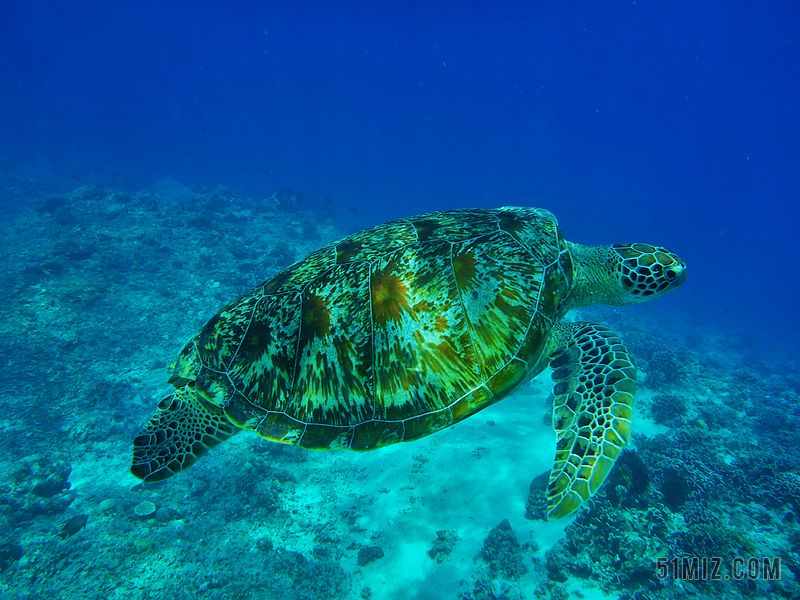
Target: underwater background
x,y
158,159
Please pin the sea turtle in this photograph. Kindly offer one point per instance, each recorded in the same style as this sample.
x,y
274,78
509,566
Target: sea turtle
x,y
401,330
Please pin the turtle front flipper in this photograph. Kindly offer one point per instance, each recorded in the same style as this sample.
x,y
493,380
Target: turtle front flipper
x,y
183,429
595,382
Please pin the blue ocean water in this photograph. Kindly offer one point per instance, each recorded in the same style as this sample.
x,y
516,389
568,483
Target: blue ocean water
x,y
669,123
631,121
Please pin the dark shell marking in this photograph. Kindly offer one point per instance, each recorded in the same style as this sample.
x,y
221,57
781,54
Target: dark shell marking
x,y
391,333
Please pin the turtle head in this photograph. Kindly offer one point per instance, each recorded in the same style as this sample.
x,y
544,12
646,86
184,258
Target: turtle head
x,y
646,271
622,274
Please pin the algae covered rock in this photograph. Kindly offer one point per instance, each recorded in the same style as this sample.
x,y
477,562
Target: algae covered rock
x,y
9,553
503,553
443,545
368,555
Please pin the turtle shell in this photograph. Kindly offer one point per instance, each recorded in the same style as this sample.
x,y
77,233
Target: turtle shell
x,y
389,334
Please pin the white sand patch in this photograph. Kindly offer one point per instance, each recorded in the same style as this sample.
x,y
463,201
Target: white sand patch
x,y
107,464
647,427
467,479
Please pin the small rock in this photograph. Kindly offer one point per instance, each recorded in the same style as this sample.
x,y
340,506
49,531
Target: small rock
x,y
536,504
503,553
54,482
143,546
264,544
369,554
9,552
108,505
443,545
166,514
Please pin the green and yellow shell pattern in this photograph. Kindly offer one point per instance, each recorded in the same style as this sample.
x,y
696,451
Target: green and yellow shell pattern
x,y
390,334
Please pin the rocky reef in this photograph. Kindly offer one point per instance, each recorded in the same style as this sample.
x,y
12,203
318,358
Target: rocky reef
x,y
103,287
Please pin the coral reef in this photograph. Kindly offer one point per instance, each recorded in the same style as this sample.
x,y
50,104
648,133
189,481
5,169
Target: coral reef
x,y
102,286
503,553
503,559
668,409
443,545
369,554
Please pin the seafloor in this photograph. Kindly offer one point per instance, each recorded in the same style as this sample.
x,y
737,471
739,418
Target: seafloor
x,y
101,288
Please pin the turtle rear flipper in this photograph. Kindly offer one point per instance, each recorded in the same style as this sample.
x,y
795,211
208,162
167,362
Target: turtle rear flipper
x,y
183,428
595,382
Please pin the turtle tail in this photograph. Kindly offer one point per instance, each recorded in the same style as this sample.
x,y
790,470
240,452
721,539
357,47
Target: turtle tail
x,y
183,428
